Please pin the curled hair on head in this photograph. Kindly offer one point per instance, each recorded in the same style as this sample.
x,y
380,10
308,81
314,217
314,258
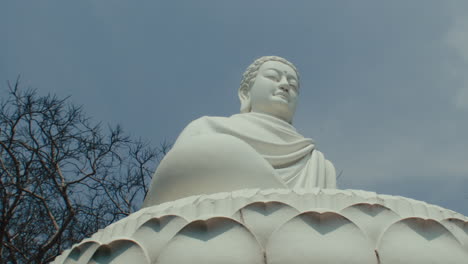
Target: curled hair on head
x,y
251,73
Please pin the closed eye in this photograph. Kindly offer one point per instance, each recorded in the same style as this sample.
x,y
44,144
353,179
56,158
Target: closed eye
x,y
274,78
272,75
293,83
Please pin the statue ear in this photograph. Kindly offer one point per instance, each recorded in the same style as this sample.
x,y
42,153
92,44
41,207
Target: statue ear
x,y
244,96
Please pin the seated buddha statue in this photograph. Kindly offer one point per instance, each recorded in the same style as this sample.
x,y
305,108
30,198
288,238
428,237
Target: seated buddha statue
x,y
257,148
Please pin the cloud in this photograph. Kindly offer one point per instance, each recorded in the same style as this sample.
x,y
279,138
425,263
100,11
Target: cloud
x,y
457,36
457,40
461,98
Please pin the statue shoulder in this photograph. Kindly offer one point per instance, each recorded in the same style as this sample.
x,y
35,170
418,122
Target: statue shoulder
x,y
205,123
202,125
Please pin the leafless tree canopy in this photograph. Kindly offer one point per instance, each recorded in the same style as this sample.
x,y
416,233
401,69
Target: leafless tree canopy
x,y
63,177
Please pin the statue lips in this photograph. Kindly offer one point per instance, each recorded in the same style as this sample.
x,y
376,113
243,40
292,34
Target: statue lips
x,y
282,94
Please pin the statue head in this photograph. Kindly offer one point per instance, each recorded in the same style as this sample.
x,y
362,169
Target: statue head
x,y
270,85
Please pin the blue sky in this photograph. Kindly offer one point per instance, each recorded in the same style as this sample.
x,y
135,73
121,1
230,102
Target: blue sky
x,y
384,83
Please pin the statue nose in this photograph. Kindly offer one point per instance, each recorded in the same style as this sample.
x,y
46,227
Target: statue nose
x,y
284,85
284,88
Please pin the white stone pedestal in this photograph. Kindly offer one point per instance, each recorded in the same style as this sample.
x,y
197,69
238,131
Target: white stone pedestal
x,y
282,226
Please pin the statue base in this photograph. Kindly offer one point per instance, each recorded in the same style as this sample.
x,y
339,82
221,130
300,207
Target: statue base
x,y
281,226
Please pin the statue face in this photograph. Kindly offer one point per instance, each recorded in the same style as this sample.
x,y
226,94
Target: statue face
x,y
274,91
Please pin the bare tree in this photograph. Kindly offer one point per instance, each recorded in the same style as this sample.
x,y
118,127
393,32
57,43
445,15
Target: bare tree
x,y
61,176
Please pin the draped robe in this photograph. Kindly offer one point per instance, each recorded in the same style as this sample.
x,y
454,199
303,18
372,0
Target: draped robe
x,y
244,151
294,157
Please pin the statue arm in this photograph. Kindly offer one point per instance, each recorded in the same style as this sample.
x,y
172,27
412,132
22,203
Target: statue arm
x,y
330,175
195,128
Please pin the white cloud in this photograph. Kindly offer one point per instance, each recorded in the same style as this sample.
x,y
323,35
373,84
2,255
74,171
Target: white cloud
x,y
457,39
461,98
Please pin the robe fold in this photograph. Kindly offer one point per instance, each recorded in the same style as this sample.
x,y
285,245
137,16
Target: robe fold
x,y
294,158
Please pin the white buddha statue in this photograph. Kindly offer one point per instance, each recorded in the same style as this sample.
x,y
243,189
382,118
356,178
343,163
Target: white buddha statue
x,y
258,148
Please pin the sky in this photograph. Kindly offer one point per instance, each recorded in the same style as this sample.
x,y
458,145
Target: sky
x,y
384,84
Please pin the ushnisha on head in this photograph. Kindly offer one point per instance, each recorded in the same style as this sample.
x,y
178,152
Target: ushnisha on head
x,y
270,85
